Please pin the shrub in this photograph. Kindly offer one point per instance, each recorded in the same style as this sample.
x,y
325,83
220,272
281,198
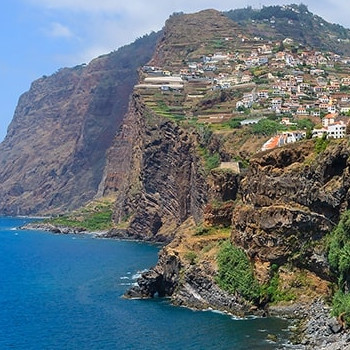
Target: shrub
x,y
339,250
339,259
235,273
341,305
98,217
267,127
211,160
191,257
321,144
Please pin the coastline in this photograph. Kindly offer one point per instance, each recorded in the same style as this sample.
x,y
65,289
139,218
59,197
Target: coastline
x,y
312,326
39,226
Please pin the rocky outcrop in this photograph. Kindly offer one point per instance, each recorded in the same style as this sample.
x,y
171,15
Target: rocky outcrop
x,y
276,232
223,185
162,280
53,156
198,290
37,226
188,285
155,174
296,174
291,198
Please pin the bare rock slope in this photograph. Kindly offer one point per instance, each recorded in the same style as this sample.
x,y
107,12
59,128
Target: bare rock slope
x,y
53,156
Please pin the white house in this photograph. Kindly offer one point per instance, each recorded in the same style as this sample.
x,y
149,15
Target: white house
x,y
293,136
319,132
336,130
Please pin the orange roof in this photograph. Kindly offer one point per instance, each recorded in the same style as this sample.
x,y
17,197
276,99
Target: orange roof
x,y
330,116
272,143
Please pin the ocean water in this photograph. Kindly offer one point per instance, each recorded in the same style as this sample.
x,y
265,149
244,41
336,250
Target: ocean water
x,y
65,292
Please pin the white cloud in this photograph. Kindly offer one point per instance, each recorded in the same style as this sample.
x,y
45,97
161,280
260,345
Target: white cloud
x,y
59,30
108,24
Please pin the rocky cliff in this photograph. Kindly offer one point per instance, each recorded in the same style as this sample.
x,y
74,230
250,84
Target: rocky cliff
x,y
53,156
287,203
155,174
291,198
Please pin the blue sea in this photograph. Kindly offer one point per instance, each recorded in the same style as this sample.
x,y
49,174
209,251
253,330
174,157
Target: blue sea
x,y
65,292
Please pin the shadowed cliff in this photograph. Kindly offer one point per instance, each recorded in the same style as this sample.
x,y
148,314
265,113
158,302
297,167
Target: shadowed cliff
x,y
53,156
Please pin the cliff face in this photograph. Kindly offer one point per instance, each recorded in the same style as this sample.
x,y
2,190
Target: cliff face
x,y
284,206
53,156
291,198
155,174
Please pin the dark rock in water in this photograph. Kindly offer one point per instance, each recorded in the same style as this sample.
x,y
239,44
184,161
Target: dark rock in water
x,y
195,287
52,228
162,280
272,337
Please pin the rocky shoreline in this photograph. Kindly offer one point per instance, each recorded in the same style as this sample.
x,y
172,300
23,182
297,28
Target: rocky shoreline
x,y
193,286
40,226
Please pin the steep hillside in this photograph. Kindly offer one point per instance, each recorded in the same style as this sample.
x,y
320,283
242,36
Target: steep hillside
x,y
155,174
295,22
53,156
190,36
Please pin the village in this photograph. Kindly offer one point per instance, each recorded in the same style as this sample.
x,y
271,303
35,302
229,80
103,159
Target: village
x,y
280,81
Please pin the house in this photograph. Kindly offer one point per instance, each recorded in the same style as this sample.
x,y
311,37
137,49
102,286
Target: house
x,y
263,94
251,121
273,142
263,60
344,108
319,132
329,119
246,78
346,81
315,113
324,99
286,121
276,103
332,108
302,111
293,136
336,130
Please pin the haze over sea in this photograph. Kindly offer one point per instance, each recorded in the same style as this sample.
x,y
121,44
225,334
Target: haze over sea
x,y
65,292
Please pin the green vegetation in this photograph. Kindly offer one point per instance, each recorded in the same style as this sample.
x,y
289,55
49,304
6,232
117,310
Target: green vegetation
x,y
235,123
202,230
321,144
191,257
339,259
293,21
211,160
94,217
267,127
305,124
341,305
339,251
235,273
273,291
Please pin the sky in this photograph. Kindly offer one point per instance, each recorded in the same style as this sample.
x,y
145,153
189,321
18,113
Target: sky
x,y
40,36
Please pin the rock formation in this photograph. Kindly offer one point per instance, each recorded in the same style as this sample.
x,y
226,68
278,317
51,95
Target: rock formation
x,y
154,172
53,156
